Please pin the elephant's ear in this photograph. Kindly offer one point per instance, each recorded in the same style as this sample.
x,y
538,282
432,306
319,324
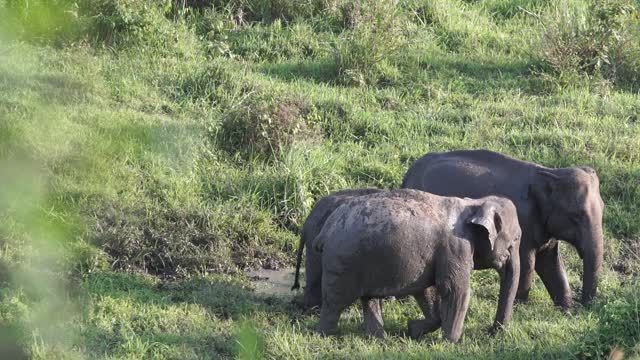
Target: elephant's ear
x,y
542,189
488,218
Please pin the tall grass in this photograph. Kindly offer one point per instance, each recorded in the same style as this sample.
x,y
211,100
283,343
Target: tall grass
x,y
375,31
600,40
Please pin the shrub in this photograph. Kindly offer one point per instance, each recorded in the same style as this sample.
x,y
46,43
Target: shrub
x,y
121,21
602,40
213,27
285,10
267,126
375,32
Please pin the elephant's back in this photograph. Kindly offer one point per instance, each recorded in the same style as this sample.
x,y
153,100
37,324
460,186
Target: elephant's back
x,y
393,213
472,174
327,205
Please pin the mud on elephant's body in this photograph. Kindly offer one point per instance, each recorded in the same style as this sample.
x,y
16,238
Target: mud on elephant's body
x,y
552,204
311,228
408,242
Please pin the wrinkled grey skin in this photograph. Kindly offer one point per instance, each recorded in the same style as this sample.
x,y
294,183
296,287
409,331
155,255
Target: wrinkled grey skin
x,y
311,228
409,242
552,204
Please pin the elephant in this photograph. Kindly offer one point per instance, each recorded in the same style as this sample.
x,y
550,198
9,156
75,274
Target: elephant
x,y
409,242
311,228
552,203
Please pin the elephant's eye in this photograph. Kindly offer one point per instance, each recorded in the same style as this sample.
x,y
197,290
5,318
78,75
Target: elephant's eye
x,y
576,218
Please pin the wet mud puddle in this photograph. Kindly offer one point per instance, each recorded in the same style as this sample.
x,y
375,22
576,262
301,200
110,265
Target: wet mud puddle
x,y
273,282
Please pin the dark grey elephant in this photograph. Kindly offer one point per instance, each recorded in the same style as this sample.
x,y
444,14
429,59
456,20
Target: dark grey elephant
x,y
552,204
409,242
311,228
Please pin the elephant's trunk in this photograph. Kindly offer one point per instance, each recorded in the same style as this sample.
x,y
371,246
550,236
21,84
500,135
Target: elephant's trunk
x,y
592,250
509,277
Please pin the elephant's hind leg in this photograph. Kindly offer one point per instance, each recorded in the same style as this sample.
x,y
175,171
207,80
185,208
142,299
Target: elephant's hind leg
x,y
429,302
372,314
337,295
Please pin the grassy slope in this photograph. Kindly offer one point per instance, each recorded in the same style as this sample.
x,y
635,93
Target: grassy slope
x,y
109,147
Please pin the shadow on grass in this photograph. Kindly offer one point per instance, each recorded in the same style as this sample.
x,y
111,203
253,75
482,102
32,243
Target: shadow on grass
x,y
320,72
48,88
484,76
230,298
472,75
224,296
142,309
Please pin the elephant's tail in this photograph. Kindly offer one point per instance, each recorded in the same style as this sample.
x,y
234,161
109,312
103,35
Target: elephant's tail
x,y
296,281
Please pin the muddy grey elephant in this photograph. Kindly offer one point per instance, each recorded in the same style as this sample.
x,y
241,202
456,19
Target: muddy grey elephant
x,y
311,228
409,242
552,204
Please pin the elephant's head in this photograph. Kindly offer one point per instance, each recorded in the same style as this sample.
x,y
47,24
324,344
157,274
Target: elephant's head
x,y
571,209
496,244
497,232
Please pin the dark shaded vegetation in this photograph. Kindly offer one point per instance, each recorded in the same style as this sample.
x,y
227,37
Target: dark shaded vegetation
x,y
173,241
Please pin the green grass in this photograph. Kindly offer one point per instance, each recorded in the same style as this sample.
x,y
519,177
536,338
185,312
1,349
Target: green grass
x,y
131,201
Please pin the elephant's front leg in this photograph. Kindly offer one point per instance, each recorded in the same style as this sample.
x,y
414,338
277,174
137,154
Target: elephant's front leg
x,y
329,316
332,307
338,293
372,314
429,302
527,265
550,268
454,294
